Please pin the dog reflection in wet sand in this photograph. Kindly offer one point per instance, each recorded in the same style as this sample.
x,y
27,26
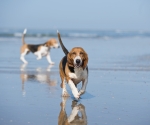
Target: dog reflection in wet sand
x,y
74,118
37,76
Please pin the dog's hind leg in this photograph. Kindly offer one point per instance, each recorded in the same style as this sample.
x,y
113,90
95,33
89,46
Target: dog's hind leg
x,y
64,90
63,81
23,59
63,85
23,55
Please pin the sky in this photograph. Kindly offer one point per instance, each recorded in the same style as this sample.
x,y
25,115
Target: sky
x,y
77,14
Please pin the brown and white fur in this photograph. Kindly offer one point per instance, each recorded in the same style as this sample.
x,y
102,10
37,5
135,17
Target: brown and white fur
x,y
73,69
39,50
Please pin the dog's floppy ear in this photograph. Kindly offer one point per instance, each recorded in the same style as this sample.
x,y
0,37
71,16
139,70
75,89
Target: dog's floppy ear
x,y
85,60
48,43
70,60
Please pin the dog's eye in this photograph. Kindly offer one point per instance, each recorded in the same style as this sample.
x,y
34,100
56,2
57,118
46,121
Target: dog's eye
x,y
74,53
81,53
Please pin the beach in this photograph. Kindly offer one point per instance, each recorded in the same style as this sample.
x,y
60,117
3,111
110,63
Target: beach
x,y
118,84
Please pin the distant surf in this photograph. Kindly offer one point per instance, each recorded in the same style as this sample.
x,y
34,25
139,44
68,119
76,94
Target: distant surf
x,y
102,34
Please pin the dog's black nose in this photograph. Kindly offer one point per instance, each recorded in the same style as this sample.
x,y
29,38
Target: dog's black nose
x,y
77,61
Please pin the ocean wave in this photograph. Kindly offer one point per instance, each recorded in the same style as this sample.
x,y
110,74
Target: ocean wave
x,y
104,34
17,34
85,35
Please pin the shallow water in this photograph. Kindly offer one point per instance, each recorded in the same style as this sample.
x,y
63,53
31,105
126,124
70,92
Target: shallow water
x,y
117,93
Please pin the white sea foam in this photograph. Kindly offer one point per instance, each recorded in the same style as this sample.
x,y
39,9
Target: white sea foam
x,y
82,35
17,34
76,33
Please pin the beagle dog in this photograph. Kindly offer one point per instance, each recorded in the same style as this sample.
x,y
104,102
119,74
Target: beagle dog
x,y
39,50
73,69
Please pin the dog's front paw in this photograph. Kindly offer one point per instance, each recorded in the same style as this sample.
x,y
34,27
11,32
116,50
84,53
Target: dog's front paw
x,y
81,92
76,94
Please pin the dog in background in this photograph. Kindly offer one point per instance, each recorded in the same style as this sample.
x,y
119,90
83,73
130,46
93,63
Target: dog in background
x,y
73,69
39,50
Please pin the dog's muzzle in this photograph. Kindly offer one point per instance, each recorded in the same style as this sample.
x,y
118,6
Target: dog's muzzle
x,y
77,61
56,46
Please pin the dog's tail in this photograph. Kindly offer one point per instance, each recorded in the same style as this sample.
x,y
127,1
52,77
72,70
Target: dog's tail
x,y
62,45
23,35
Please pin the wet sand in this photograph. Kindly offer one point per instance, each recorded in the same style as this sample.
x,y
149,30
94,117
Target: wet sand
x,y
117,93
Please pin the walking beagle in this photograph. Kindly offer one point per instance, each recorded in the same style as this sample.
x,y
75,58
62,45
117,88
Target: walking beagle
x,y
39,50
73,69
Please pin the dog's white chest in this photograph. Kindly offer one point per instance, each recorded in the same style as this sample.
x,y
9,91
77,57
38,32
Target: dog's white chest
x,y
44,50
79,75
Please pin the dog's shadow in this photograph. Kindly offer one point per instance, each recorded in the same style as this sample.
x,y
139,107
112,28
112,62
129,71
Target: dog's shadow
x,y
38,75
77,115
